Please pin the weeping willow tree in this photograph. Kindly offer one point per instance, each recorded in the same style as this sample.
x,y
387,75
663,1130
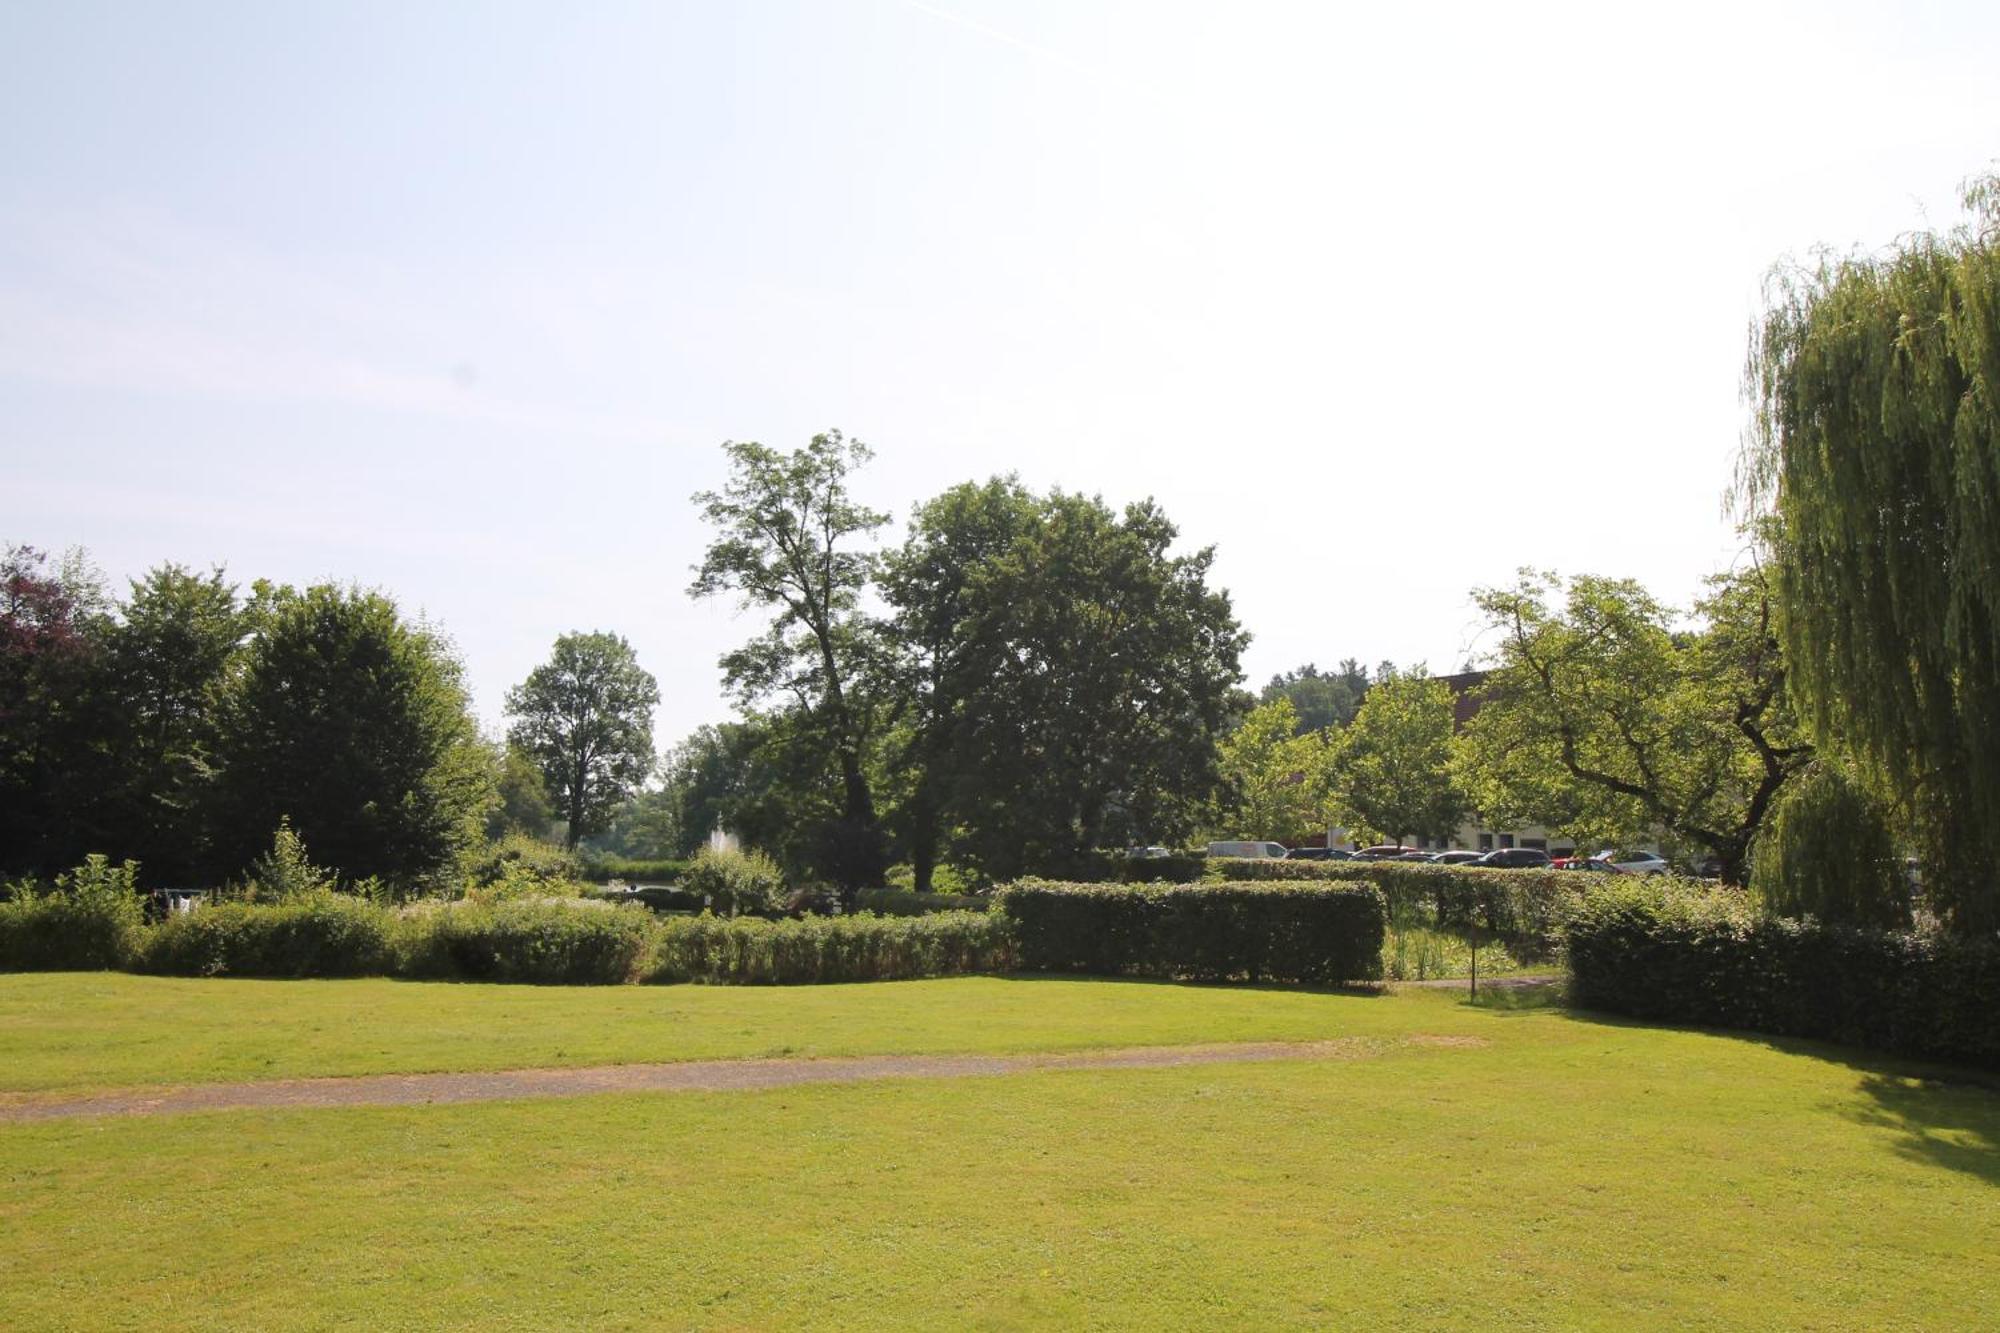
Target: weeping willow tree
x,y
1828,852
1875,454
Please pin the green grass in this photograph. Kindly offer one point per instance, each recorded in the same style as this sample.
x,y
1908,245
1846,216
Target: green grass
x,y
105,1029
1561,1172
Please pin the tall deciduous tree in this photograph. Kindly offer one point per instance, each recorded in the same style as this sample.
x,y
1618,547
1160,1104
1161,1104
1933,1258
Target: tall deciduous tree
x,y
585,717
1876,454
52,624
787,542
1106,672
1603,719
1279,782
353,724
1397,777
934,583
167,661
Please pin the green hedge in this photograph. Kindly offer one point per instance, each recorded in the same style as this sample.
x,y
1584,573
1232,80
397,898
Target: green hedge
x,y
321,935
664,898
604,870
1323,933
90,919
747,950
1525,908
1677,954
904,902
556,941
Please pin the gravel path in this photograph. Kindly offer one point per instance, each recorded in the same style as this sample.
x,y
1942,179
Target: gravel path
x,y
685,1076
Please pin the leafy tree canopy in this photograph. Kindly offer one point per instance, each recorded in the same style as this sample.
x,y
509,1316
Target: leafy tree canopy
x,y
1397,777
585,718
1604,719
1875,454
1278,783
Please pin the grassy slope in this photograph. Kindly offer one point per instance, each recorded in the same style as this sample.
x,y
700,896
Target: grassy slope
x,y
103,1029
1567,1172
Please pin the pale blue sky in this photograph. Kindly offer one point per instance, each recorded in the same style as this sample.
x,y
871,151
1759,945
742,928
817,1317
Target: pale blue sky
x,y
1383,301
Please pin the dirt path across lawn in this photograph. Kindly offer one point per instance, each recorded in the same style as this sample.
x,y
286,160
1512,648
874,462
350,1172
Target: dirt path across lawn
x,y
685,1076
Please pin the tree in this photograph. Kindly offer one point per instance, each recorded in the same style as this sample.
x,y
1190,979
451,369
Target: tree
x,y
933,585
1280,781
52,623
785,533
1320,699
1397,775
1603,720
585,717
521,798
1106,673
1875,454
166,663
1828,852
354,725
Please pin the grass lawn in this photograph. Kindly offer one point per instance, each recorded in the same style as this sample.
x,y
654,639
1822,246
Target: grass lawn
x,y
1561,1171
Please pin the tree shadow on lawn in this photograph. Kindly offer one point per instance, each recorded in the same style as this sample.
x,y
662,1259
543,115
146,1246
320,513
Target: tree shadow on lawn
x,y
1944,1115
1357,990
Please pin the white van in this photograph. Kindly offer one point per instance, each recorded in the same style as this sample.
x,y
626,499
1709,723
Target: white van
x,y
1256,851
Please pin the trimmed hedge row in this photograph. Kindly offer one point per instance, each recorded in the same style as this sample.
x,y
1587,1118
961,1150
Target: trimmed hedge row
x,y
569,941
604,870
1525,908
904,902
1326,934
745,950
1691,956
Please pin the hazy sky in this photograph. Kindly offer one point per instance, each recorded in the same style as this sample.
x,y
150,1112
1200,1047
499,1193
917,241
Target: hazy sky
x,y
1383,301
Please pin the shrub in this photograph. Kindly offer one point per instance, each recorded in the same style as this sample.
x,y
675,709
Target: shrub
x,y
602,870
735,883
1524,908
285,872
1686,955
519,852
1180,868
1324,933
517,879
573,941
89,920
1828,853
829,949
902,902
317,934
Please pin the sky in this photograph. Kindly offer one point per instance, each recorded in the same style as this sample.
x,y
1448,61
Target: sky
x,y
1383,302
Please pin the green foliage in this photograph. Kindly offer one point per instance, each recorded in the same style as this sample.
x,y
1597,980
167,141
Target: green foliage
x,y
314,933
1396,772
1180,868
832,949
604,869
1828,853
517,852
1877,384
521,799
1523,909
735,883
1605,719
1320,699
1706,956
1088,675
905,902
585,718
1323,934
1279,782
355,724
88,920
785,534
561,942
285,872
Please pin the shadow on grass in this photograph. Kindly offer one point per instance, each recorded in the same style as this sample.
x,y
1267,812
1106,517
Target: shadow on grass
x,y
1360,990
1944,1115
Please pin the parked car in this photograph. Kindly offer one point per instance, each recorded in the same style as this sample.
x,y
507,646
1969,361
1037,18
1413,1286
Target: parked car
x,y
1252,851
1147,853
1385,851
1587,863
1319,854
1516,858
1636,861
1456,857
